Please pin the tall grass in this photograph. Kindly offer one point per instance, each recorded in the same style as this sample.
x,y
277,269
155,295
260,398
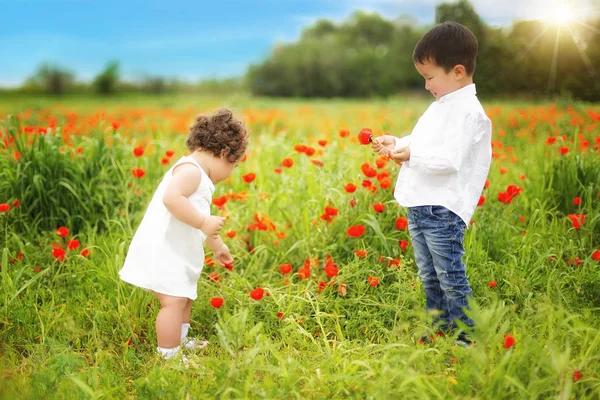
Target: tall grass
x,y
72,329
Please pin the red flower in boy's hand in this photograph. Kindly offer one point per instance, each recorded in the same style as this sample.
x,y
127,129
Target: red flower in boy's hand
x,y
365,136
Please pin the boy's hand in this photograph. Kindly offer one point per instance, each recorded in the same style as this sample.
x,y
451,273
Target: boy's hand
x,y
212,226
223,255
383,144
401,155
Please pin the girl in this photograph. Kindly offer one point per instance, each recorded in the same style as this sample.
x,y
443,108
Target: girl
x,y
166,254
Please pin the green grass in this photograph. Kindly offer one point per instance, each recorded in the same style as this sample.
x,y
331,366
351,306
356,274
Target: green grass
x,y
72,329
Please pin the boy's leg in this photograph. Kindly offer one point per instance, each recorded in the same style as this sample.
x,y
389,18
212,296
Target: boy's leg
x,y
444,234
434,296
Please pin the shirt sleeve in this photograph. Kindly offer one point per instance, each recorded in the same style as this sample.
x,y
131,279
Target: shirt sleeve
x,y
458,137
401,142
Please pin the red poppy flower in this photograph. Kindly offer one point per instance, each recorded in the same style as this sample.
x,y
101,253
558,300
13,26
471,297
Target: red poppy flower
x,y
577,201
58,253
322,142
331,270
285,268
331,211
487,184
138,172
280,315
228,265
577,220
304,272
257,294
369,171
115,125
169,153
360,253
317,163
401,223
365,136
214,277
509,195
492,284
219,201
4,207
16,203
503,170
85,253
310,151
208,261
373,281
249,177
322,286
577,375
509,341
481,201
385,183
165,160
73,244
216,302
287,162
231,234
564,150
63,231
403,244
356,231
352,203
278,170
138,151
550,140
36,269
379,207
381,162
350,188
344,133
367,184
596,255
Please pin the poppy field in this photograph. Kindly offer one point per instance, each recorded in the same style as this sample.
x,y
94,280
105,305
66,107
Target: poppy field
x,y
323,299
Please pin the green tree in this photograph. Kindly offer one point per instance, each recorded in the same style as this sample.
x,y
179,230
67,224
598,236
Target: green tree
x,y
52,78
106,82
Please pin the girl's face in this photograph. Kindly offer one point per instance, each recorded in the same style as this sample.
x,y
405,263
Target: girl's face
x,y
222,169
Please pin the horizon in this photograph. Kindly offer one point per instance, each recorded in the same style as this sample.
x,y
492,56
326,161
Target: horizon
x,y
197,45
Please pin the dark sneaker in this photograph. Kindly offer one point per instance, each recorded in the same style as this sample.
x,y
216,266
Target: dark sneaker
x,y
463,340
425,339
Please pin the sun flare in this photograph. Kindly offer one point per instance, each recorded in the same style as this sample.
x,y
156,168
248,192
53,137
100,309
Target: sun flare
x,y
561,14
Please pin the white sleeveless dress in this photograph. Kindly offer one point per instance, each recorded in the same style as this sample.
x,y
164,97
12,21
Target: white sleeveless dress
x,y
167,255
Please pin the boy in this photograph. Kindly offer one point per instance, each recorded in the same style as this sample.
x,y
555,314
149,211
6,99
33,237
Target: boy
x,y
446,160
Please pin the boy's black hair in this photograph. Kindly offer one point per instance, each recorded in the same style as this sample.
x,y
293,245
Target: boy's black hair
x,y
447,45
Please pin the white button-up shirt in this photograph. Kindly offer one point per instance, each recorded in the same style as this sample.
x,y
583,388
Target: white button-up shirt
x,y
450,155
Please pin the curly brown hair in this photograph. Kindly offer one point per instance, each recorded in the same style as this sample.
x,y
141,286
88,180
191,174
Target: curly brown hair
x,y
219,133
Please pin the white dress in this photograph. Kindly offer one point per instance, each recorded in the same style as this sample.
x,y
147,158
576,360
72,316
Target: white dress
x,y
167,255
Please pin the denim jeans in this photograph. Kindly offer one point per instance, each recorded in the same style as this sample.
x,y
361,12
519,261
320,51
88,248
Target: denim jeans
x,y
437,236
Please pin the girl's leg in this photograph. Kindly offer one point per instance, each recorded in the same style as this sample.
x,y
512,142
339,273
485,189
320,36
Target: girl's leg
x,y
169,320
187,312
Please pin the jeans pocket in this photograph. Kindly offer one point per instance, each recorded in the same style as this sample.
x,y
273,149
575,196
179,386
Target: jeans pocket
x,y
441,213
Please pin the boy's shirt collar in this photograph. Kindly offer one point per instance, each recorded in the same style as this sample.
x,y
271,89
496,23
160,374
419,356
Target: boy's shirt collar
x,y
462,92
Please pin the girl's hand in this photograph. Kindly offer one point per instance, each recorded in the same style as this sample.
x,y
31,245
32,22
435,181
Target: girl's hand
x,y
212,226
223,255
383,144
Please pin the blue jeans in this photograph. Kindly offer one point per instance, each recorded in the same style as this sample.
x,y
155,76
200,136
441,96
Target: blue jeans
x,y
437,236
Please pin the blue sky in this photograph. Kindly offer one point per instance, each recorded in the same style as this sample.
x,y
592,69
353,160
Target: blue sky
x,y
190,40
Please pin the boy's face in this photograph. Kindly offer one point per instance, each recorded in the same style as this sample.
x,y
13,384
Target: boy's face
x,y
437,81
